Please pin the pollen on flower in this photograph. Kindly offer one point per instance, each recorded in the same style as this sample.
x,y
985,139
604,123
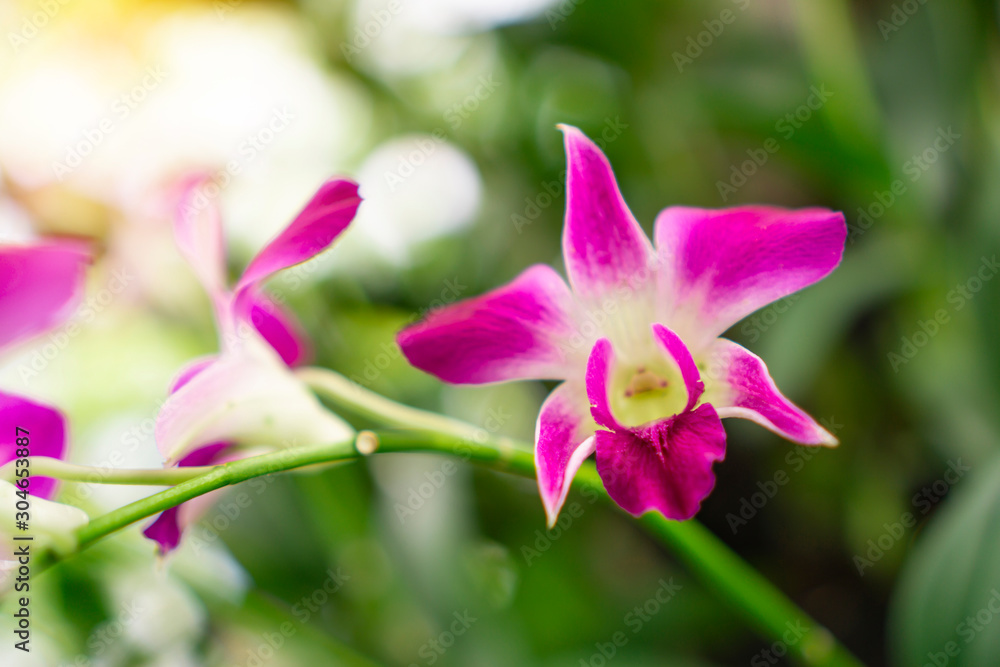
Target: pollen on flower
x,y
644,380
646,392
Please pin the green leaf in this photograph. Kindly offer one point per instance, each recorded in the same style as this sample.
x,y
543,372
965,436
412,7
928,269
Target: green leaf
x,y
941,612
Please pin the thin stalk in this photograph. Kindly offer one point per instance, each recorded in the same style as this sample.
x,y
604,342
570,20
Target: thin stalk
x,y
217,477
764,607
376,407
44,466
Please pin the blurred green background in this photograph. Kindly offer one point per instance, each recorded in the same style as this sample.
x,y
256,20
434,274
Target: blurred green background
x,y
446,113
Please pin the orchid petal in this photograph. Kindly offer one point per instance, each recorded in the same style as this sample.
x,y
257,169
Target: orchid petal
x,y
598,370
718,266
198,233
40,286
312,231
665,465
675,347
603,245
523,330
45,429
169,526
190,370
166,529
248,396
563,441
276,325
745,389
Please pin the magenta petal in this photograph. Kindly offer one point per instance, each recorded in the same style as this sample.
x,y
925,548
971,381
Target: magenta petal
x,y
563,440
519,331
166,530
675,347
191,370
717,266
598,370
249,396
198,232
46,436
207,455
603,245
311,232
277,325
747,391
40,286
664,466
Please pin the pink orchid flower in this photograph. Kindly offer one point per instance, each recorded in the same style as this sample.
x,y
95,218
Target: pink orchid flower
x,y
41,284
635,337
245,400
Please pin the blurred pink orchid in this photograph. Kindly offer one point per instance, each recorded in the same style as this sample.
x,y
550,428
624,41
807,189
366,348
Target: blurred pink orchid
x,y
245,400
41,284
635,340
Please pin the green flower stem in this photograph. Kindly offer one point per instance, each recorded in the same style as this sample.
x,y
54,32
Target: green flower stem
x,y
44,466
378,408
765,607
217,477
